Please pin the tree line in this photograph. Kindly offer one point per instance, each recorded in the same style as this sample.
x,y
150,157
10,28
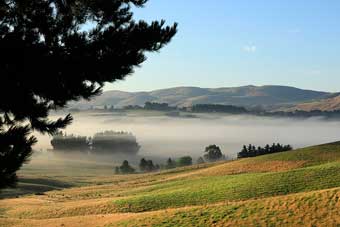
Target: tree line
x,y
199,108
211,108
111,142
230,109
252,151
212,153
147,166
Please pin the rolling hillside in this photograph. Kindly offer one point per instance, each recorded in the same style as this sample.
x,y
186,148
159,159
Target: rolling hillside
x,y
327,104
296,188
266,96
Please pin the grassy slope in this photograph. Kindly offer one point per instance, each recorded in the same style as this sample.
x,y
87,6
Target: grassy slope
x,y
318,208
226,191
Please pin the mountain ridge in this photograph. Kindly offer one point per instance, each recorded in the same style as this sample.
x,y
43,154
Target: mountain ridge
x,y
267,96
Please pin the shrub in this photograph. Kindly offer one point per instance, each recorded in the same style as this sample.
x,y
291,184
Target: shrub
x,y
184,161
147,166
125,168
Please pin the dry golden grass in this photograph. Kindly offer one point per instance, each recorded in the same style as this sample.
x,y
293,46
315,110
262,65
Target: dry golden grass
x,y
324,105
320,208
98,199
78,221
243,166
95,205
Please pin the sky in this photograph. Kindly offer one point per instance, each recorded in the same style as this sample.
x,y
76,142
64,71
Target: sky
x,y
224,43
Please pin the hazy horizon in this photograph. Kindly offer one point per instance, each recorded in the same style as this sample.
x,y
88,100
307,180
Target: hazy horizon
x,y
106,88
162,136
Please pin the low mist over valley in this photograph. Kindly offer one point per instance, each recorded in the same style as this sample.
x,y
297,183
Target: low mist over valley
x,y
161,136
137,113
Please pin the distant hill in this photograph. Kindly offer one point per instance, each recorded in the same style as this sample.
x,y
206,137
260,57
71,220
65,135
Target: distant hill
x,y
327,104
248,96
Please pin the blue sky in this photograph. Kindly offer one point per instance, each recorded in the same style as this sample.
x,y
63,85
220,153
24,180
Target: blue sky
x,y
222,43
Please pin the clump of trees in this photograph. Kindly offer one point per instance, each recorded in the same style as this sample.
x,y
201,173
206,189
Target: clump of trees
x,y
125,168
252,151
213,153
63,142
148,166
158,106
132,107
209,108
115,142
151,106
180,162
108,142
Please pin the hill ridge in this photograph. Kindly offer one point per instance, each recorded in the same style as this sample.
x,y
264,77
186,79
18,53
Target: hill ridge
x,y
266,96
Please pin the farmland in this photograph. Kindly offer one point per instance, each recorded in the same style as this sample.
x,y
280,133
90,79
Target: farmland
x,y
299,188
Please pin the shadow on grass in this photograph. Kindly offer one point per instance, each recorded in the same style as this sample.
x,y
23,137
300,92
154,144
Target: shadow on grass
x,y
37,186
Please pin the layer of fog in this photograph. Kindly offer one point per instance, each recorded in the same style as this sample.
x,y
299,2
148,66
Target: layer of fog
x,y
163,137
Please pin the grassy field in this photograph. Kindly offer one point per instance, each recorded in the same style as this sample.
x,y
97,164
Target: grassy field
x,y
296,188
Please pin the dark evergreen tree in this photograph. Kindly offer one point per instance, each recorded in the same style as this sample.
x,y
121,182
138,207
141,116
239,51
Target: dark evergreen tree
x,y
252,151
147,165
244,149
288,147
259,151
273,148
143,164
12,157
150,166
47,59
243,152
125,168
267,149
213,153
